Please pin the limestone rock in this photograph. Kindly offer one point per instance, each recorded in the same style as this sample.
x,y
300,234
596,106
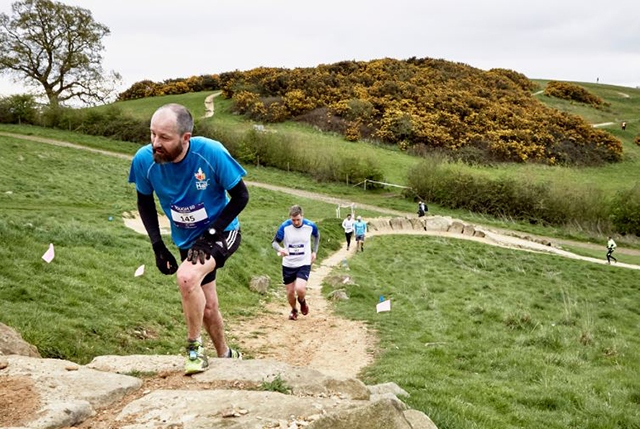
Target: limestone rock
x,y
301,380
338,295
418,223
419,420
11,343
70,394
438,223
260,284
378,224
137,363
67,397
390,387
399,223
469,230
382,414
456,227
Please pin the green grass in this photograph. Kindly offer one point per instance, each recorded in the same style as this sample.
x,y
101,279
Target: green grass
x,y
87,301
143,108
388,198
484,337
621,256
479,336
72,137
275,385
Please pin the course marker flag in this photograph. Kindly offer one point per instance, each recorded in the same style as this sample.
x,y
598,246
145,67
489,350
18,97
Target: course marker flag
x,y
49,254
139,271
384,306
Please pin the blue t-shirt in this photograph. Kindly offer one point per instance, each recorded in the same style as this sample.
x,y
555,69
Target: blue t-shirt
x,y
360,227
192,192
297,242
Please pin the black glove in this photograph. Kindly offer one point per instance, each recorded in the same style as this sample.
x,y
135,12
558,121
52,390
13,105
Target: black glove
x,y
202,249
165,261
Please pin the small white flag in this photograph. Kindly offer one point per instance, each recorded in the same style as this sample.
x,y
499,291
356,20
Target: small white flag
x,y
384,306
139,271
49,254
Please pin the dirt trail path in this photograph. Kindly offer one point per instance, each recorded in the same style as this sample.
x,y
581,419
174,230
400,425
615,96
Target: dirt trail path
x,y
322,340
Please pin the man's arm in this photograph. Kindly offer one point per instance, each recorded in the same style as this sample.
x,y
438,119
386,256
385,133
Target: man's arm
x,y
202,248
165,261
316,242
149,216
239,197
277,240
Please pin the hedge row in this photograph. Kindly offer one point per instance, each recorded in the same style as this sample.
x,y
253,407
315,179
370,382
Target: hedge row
x,y
263,148
253,147
527,200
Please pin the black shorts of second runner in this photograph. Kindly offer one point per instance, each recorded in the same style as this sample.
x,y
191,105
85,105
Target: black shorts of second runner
x,y
220,253
289,274
360,237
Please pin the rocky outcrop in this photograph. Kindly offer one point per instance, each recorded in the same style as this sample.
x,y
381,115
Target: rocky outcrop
x,y
260,284
11,343
66,394
429,224
231,393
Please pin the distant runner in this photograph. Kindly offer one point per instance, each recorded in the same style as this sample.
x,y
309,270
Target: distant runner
x,y
347,225
360,228
293,243
611,246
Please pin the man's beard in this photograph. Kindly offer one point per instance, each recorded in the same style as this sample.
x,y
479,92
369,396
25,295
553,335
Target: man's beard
x,y
162,156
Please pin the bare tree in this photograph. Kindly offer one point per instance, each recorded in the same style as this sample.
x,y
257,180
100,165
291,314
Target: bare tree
x,y
56,47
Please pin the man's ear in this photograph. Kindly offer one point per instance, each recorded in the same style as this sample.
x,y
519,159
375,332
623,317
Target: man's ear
x,y
186,137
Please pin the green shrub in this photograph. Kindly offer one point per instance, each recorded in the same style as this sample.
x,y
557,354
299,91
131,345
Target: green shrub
x,y
573,92
424,105
57,117
111,123
260,147
18,109
441,182
625,212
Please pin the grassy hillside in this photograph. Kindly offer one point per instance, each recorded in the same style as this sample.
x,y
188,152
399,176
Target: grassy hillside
x,y
599,183
479,337
423,105
396,164
492,338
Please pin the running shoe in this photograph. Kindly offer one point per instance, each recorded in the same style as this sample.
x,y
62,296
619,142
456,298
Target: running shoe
x,y
304,308
293,315
234,354
196,359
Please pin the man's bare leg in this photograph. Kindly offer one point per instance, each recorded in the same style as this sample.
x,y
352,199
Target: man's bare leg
x,y
212,319
189,278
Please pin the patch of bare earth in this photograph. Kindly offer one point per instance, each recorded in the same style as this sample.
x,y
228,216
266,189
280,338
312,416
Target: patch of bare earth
x,y
19,401
320,340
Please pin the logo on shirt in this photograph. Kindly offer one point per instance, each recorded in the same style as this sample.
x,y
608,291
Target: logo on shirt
x,y
202,181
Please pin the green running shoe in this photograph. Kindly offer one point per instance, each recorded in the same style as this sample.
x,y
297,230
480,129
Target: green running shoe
x,y
234,354
196,359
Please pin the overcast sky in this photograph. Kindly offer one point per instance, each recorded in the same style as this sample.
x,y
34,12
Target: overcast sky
x,y
574,40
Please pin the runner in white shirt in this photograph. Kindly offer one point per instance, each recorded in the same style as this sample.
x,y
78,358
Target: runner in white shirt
x,y
347,224
293,244
611,246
